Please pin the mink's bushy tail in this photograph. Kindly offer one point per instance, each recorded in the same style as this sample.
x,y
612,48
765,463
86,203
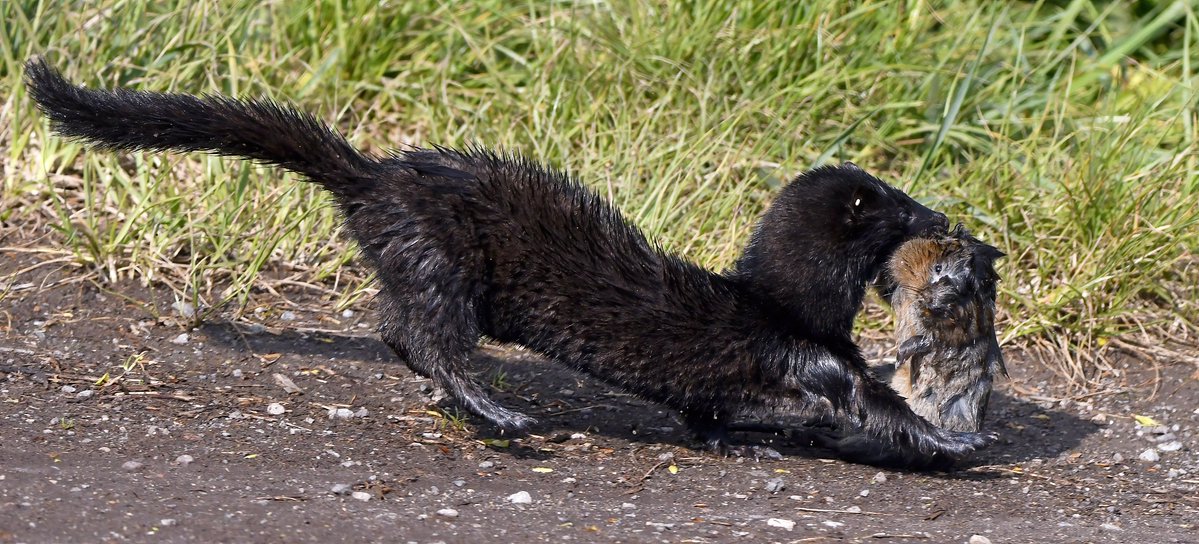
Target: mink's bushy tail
x,y
256,129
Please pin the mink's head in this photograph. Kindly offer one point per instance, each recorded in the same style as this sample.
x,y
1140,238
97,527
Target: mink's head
x,y
947,274
828,232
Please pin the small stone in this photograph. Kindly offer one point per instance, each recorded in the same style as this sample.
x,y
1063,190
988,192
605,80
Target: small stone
x,y
447,513
785,524
237,373
578,436
774,485
486,465
131,465
184,460
1111,527
86,393
361,495
855,509
288,316
668,456
68,389
347,313
340,413
180,340
1165,437
1149,455
275,409
185,309
168,522
1170,446
362,412
520,497
832,524
979,539
628,505
1173,473
1117,458
1098,419
236,414
459,483
880,478
864,493
341,489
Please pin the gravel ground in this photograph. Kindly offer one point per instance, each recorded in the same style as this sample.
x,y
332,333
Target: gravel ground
x,y
295,424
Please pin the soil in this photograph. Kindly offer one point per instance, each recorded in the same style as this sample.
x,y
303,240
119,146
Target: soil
x,y
116,427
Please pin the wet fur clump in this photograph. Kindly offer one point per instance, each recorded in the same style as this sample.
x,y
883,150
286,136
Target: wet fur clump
x,y
944,301
470,244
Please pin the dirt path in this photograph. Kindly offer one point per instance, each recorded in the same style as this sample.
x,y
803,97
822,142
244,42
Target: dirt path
x,y
185,445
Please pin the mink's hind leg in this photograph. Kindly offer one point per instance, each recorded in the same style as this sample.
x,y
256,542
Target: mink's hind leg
x,y
713,431
442,356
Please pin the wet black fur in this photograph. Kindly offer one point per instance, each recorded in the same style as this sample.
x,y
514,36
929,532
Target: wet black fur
x,y
470,244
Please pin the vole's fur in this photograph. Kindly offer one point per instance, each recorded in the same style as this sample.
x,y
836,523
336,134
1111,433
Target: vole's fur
x,y
470,244
944,301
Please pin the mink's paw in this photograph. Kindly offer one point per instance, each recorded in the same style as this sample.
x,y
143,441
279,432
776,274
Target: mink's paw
x,y
755,452
512,423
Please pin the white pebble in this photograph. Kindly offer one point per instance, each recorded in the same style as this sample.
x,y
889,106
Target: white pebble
x,y
486,465
185,309
340,413
855,509
447,513
864,493
168,522
520,497
361,495
86,393
1111,527
1149,455
131,465
628,505
979,539
833,524
288,316
341,489
237,373
1170,446
347,314
68,389
275,409
180,340
880,478
184,460
362,412
783,523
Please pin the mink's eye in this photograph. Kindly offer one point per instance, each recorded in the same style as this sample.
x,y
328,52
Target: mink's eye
x,y
857,202
937,269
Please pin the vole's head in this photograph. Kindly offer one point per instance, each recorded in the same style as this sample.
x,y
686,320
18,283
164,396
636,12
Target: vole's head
x,y
828,232
948,273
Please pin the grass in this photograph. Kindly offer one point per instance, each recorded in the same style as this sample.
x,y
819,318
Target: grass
x,y
1064,132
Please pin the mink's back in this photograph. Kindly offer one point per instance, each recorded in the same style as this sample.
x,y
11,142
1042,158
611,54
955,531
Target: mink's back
x,y
563,272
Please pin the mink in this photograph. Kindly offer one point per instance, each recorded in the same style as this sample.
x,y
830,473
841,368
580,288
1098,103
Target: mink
x,y
473,243
944,302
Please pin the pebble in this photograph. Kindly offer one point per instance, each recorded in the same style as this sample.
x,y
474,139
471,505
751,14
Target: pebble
x,y
131,465
168,522
1111,527
459,483
1117,458
774,485
361,495
880,478
362,412
486,465
864,493
447,513
237,373
275,409
341,489
833,524
1149,455
180,340
520,497
68,389
628,505
979,539
1170,446
855,509
340,413
184,460
86,393
185,309
347,314
288,316
781,523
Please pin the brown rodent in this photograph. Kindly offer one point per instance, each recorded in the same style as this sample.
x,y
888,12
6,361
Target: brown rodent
x,y
944,301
